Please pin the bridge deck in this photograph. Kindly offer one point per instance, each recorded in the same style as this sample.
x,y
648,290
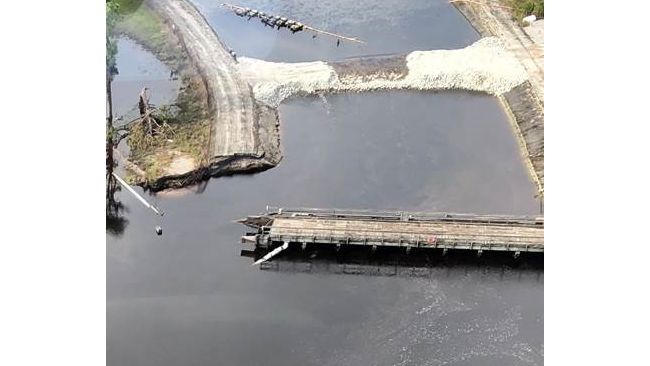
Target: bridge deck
x,y
500,233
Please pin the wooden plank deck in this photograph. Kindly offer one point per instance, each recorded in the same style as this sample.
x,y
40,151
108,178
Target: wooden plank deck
x,y
496,233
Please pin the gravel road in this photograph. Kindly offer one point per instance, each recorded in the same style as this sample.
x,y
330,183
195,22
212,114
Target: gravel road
x,y
234,129
244,95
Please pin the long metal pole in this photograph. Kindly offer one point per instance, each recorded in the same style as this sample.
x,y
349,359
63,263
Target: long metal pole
x,y
272,253
140,198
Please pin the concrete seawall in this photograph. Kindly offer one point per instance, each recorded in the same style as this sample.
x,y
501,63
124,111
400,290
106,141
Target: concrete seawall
x,y
527,119
525,103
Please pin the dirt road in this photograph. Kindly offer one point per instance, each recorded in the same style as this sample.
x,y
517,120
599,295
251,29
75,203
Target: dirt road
x,y
234,128
243,97
495,21
525,103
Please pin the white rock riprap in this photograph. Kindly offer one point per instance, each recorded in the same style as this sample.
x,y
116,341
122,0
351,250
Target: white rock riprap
x,y
485,66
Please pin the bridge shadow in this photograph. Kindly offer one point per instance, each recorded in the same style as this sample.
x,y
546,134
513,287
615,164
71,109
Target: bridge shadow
x,y
391,261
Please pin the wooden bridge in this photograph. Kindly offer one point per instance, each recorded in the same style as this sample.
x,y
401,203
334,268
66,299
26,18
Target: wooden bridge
x,y
445,231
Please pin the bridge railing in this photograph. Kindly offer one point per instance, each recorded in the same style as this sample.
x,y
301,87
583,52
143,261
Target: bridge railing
x,y
400,215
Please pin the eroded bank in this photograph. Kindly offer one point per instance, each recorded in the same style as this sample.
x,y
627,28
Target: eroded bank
x,y
242,96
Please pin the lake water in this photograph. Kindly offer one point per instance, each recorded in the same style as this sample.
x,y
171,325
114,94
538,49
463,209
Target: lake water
x,y
188,297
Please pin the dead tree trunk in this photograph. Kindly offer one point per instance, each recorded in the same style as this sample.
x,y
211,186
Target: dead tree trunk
x,y
109,98
146,110
109,125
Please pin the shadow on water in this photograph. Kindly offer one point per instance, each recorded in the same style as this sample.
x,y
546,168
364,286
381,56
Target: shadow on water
x,y
392,261
115,209
115,221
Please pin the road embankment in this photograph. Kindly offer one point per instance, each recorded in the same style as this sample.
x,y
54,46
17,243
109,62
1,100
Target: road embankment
x,y
243,97
525,103
243,134
484,66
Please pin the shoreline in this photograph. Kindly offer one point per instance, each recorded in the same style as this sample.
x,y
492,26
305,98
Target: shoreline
x,y
524,104
242,140
243,97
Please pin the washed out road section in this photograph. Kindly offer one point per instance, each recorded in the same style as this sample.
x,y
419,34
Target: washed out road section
x,y
244,95
235,122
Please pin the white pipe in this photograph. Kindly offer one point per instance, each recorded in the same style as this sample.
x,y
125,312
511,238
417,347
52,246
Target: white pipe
x,y
144,202
272,253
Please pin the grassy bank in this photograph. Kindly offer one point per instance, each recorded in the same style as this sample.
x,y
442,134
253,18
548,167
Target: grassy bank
x,y
144,26
523,8
186,123
185,135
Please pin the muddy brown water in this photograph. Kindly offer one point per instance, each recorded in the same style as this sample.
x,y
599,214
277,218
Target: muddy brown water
x,y
188,297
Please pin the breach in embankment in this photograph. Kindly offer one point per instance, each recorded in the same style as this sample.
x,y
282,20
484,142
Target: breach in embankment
x,y
243,96
243,135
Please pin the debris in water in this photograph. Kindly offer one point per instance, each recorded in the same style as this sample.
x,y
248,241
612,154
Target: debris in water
x,y
139,197
272,253
282,22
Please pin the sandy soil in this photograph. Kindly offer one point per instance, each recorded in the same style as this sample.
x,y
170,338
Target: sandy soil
x,y
536,32
484,66
180,164
497,22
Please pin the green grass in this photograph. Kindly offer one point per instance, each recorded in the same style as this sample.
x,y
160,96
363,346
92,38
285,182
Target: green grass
x,y
128,6
147,28
187,122
524,8
144,26
187,125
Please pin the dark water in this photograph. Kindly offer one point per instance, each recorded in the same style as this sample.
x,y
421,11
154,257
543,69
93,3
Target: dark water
x,y
139,69
188,297
387,26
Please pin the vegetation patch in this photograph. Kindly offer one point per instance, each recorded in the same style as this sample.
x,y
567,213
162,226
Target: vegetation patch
x,y
144,26
127,7
524,8
182,136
